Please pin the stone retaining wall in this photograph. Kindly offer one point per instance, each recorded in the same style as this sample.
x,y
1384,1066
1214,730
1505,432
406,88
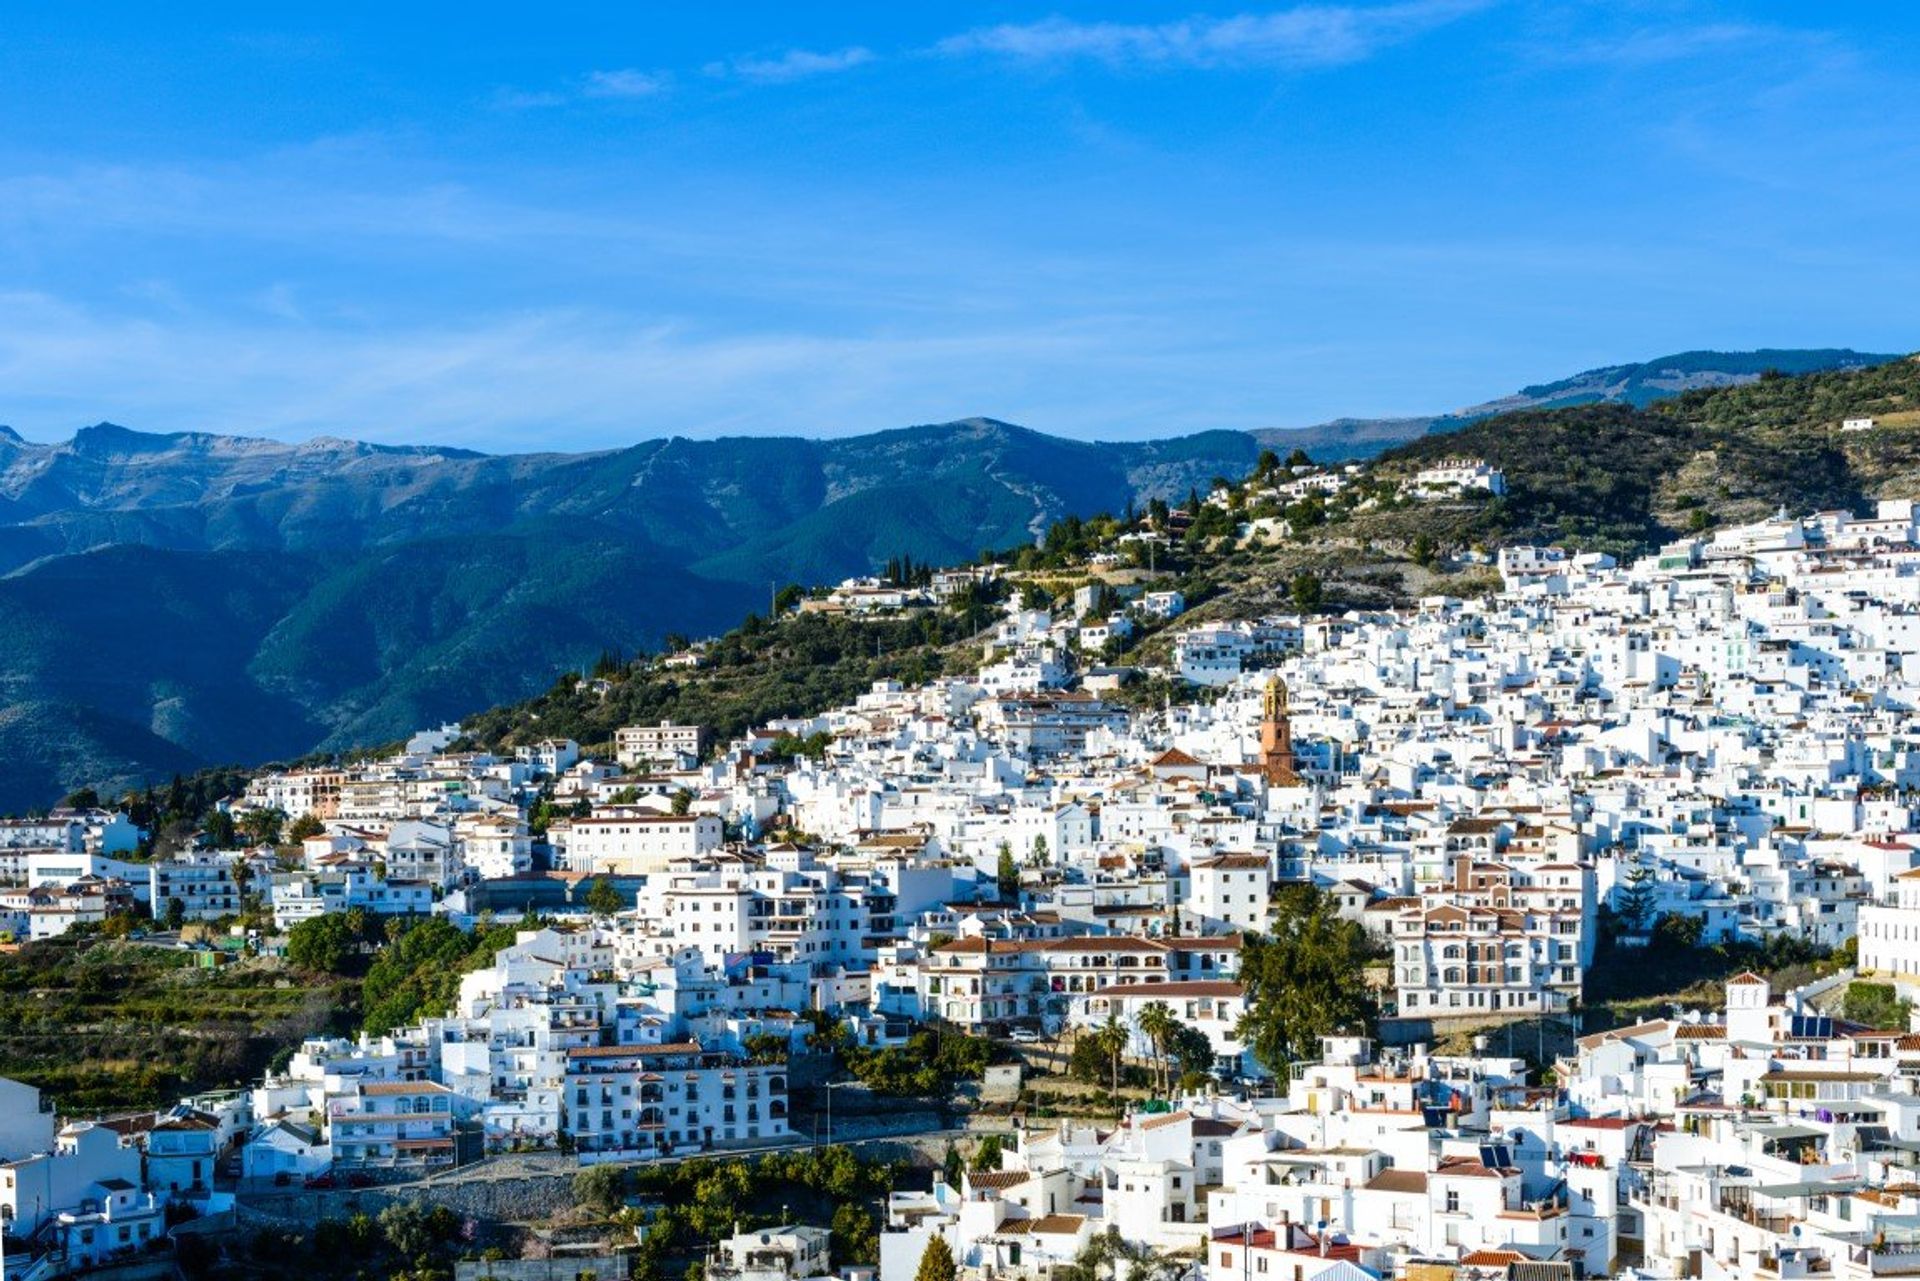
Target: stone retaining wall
x,y
518,1199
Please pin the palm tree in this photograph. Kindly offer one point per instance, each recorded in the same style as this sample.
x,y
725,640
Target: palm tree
x,y
1156,1024
1112,1040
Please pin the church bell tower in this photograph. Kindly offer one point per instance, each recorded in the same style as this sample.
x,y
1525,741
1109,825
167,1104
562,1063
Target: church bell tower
x,y
1276,737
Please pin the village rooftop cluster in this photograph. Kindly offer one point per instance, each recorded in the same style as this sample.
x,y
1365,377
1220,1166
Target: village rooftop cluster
x,y
1722,734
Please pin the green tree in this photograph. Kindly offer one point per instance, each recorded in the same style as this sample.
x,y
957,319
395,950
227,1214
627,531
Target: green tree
x,y
1111,1040
1678,931
262,827
176,913
682,801
304,826
1423,550
1636,897
1007,874
1304,981
1306,591
322,943
1192,1051
855,1233
601,1188
987,1157
1878,1005
766,1047
603,899
1108,1256
418,971
409,1230
936,1261
219,829
1156,1024
1039,851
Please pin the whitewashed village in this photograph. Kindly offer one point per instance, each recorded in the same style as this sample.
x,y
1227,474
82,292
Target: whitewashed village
x,y
1718,743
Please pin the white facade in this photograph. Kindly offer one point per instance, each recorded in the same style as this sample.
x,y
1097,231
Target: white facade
x,y
635,843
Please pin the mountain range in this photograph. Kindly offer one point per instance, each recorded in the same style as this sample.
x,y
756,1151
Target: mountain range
x,y
1637,384
170,601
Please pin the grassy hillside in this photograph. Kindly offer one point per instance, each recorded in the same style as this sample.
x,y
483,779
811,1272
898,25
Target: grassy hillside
x,y
108,1027
1613,477
1639,384
755,673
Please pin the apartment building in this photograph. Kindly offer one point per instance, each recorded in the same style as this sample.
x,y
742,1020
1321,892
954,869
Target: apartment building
x,y
628,1102
1495,938
391,1124
634,842
662,744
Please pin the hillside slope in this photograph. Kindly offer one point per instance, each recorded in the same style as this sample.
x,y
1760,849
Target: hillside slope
x,y
182,600
1603,475
1613,477
174,601
1639,384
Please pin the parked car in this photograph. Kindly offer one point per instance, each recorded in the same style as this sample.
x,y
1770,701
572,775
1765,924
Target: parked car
x,y
1024,1036
359,1179
321,1181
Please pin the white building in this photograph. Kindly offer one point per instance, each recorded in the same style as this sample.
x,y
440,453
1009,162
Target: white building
x,y
634,842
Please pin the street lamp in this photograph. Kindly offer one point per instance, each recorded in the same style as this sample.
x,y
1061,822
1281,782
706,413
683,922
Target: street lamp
x,y
831,1087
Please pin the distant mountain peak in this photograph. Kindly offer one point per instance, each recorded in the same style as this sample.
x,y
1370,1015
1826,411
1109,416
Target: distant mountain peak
x,y
1648,380
112,438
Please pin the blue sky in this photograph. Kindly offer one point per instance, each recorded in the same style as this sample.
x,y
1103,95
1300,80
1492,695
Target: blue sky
x,y
570,227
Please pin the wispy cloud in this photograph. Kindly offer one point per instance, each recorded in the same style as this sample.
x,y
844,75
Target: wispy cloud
x,y
1648,46
503,381
622,83
1306,36
625,83
794,64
